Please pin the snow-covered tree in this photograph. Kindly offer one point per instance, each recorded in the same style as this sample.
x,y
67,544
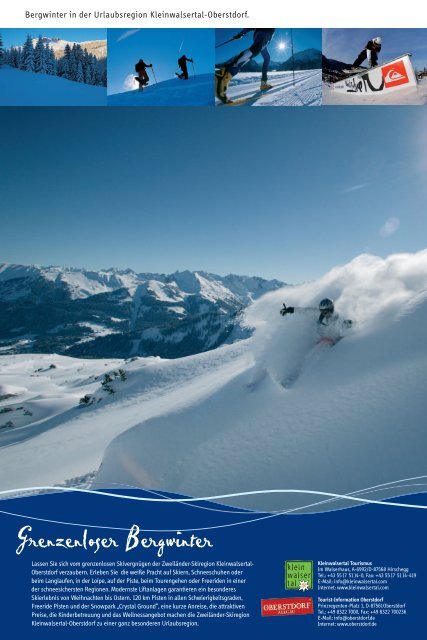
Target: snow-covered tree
x,y
51,67
40,65
14,57
27,62
63,65
79,72
101,72
88,67
2,56
18,57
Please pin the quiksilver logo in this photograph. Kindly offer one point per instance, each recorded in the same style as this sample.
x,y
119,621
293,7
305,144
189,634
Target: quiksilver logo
x,y
394,76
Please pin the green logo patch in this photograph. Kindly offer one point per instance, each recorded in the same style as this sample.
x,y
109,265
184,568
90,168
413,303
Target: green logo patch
x,y
298,575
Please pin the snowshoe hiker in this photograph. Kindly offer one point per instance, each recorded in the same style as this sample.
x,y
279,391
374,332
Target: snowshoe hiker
x,y
330,327
261,40
182,63
142,77
369,53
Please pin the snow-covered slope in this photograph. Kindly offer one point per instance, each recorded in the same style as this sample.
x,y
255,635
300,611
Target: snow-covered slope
x,y
112,313
40,90
196,91
57,440
414,95
307,90
222,422
353,418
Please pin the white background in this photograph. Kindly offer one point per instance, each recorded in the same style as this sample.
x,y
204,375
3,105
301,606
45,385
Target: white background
x,y
263,13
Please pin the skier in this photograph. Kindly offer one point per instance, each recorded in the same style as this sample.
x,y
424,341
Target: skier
x,y
141,69
182,63
330,327
369,53
261,40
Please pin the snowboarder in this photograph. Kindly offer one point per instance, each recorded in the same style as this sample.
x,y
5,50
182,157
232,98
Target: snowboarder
x,y
261,40
182,63
142,77
330,327
369,53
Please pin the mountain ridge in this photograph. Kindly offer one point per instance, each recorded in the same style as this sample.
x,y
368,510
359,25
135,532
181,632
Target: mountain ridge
x,y
120,313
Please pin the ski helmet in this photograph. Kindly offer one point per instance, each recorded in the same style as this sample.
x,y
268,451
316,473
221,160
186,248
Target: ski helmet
x,y
326,305
377,40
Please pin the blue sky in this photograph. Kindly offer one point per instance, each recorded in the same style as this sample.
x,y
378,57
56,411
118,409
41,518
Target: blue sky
x,y
285,193
161,47
280,47
346,44
16,37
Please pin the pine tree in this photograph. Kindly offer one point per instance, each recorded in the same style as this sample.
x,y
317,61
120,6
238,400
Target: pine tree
x,y
101,73
63,65
51,67
2,52
72,63
88,68
27,62
79,72
40,65
18,57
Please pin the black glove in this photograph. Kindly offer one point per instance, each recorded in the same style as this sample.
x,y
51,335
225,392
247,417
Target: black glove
x,y
348,323
286,310
238,36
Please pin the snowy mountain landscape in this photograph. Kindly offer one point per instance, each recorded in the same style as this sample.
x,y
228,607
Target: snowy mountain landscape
x,y
115,313
224,421
50,71
307,90
96,47
299,61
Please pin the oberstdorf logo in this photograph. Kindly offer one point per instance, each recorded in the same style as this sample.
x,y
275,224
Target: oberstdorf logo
x,y
298,575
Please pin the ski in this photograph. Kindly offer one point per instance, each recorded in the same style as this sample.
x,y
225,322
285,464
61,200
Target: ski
x,y
240,101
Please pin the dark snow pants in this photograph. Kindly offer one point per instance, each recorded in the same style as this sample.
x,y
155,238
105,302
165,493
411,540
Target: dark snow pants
x,y
184,74
363,55
259,46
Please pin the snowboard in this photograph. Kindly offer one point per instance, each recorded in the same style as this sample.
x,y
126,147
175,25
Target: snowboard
x,y
353,72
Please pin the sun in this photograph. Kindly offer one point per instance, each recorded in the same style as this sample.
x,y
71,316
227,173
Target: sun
x,y
282,45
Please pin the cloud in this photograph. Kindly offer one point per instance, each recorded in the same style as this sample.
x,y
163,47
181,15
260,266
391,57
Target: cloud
x,y
389,227
356,187
127,34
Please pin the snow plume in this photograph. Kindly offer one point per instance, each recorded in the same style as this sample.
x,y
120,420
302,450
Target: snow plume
x,y
371,291
351,417
130,83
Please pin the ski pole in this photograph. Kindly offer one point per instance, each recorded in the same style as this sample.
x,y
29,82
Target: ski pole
x,y
223,43
285,310
152,69
231,40
293,60
194,72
